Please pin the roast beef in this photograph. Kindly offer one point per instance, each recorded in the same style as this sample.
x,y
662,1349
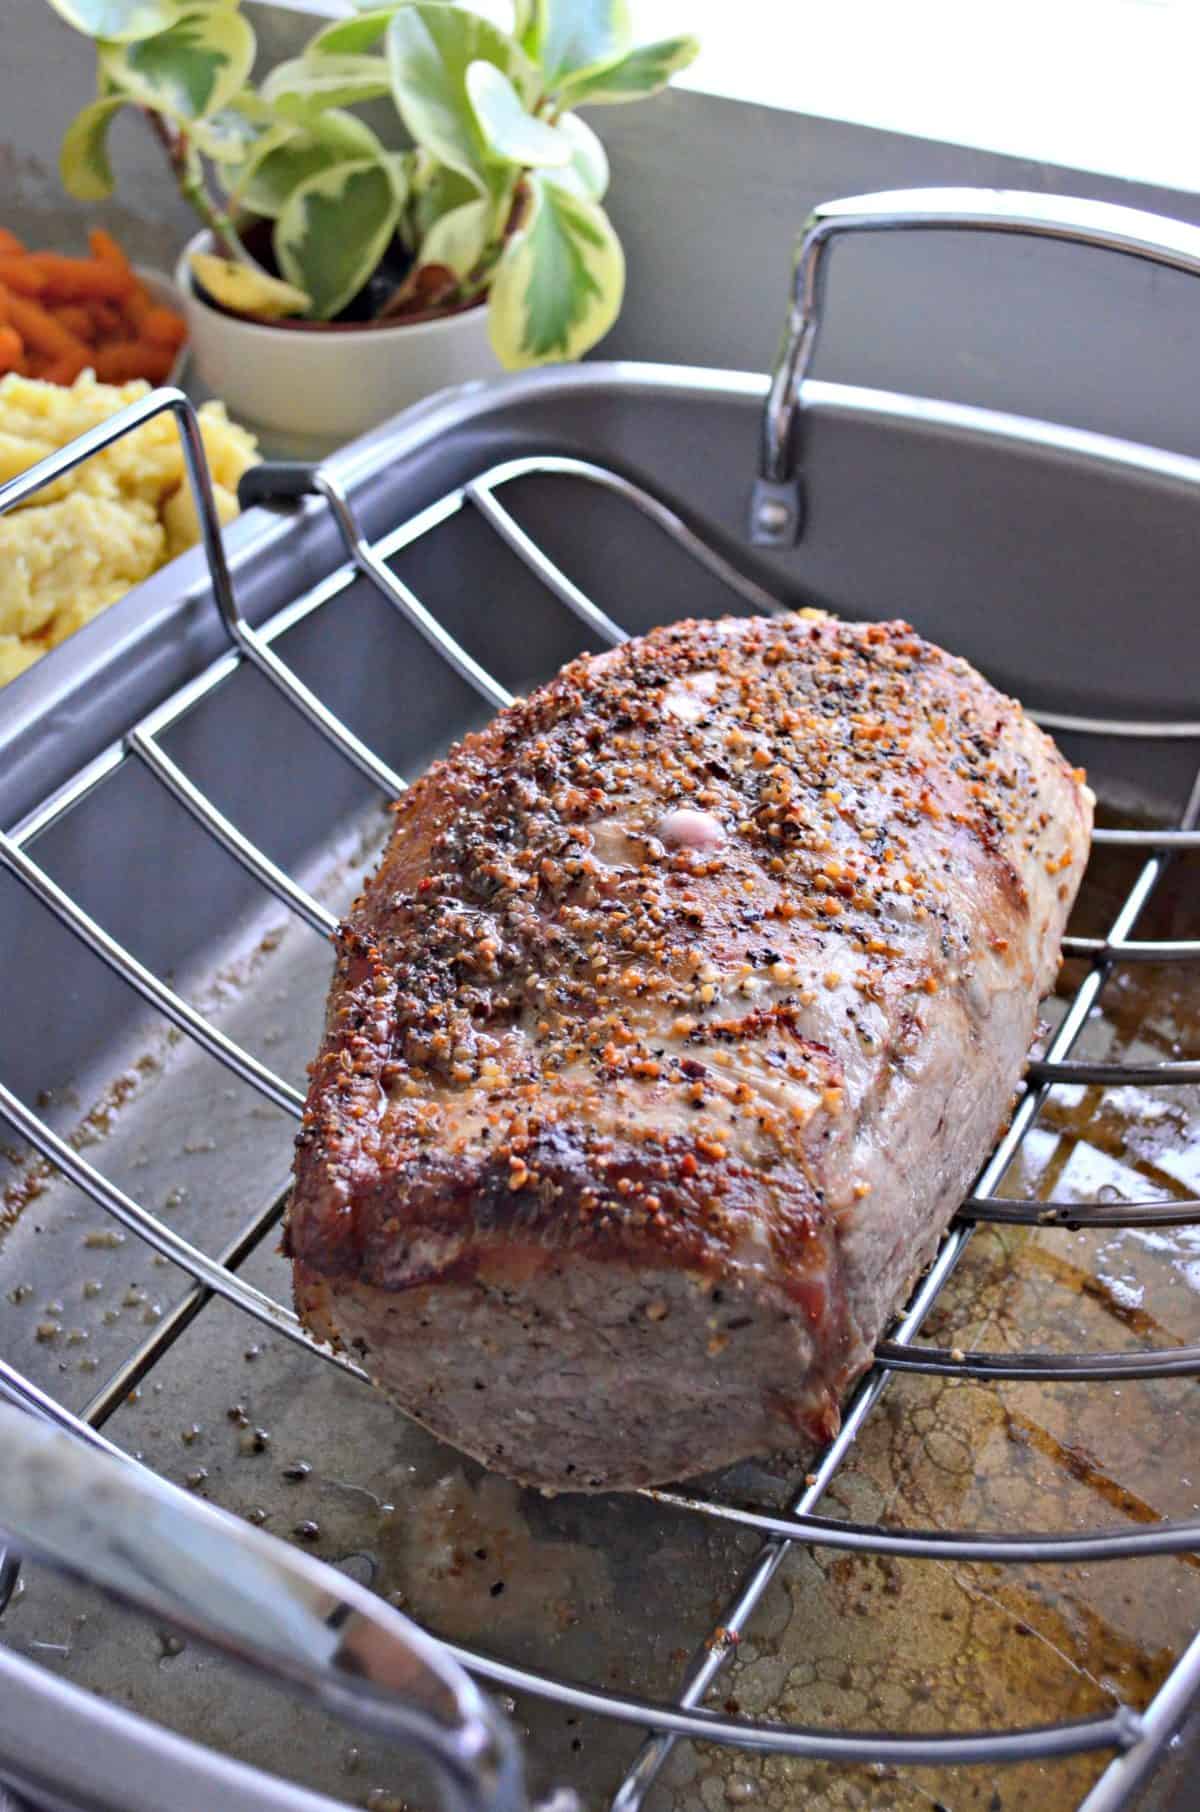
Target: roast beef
x,y
663,1045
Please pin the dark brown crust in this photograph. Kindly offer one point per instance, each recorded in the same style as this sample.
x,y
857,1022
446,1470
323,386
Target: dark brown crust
x,y
384,943
558,1210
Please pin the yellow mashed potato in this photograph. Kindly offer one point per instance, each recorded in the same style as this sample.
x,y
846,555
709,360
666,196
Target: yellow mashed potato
x,y
82,542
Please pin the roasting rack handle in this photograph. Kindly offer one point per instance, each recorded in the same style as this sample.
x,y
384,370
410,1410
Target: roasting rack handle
x,y
777,501
114,1524
276,481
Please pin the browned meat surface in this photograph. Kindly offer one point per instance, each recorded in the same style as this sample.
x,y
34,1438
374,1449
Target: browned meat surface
x,y
685,1004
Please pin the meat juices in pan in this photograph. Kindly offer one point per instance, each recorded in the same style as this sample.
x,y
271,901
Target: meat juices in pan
x,y
663,1045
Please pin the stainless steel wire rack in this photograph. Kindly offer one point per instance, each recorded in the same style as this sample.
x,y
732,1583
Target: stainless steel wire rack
x,y
1136,1739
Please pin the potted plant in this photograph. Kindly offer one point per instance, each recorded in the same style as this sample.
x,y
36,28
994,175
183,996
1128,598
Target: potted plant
x,y
338,276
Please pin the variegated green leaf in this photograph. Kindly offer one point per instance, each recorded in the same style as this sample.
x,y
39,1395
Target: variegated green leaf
x,y
430,48
402,165
524,23
558,287
366,31
352,36
304,86
229,135
120,21
587,172
288,155
245,289
458,239
509,130
334,229
193,68
437,190
631,78
83,161
242,193
577,34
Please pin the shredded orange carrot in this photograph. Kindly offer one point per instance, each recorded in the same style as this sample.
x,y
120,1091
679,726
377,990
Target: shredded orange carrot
x,y
78,279
110,320
163,327
122,360
41,331
12,349
136,306
78,319
59,314
19,273
64,370
105,250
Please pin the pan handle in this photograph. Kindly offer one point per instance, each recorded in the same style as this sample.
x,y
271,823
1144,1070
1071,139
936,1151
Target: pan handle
x,y
776,510
114,1524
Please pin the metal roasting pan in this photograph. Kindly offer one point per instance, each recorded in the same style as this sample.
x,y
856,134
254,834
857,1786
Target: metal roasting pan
x,y
985,1596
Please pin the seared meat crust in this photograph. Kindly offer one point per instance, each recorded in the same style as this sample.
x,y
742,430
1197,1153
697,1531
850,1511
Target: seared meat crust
x,y
665,1041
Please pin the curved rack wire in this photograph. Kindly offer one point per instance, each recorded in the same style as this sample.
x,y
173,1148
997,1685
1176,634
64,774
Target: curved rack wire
x,y
1136,1738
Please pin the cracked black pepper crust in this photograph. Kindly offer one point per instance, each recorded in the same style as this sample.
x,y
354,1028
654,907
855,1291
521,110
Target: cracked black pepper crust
x,y
547,1025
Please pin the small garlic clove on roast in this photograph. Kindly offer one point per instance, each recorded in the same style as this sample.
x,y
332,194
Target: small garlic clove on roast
x,y
687,828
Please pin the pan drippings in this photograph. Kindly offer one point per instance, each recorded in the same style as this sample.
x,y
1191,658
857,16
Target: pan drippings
x,y
618,1590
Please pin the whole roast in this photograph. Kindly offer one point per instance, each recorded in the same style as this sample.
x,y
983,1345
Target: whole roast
x,y
685,1003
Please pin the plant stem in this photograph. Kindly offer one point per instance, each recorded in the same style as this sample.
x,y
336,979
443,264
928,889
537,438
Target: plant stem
x,y
215,215
477,280
188,172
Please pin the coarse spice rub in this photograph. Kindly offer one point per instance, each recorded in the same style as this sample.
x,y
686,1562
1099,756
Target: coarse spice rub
x,y
684,1005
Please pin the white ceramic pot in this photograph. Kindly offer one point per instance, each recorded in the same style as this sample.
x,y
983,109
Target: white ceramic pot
x,y
327,385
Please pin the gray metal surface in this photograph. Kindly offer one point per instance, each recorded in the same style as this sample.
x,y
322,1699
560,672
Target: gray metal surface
x,y
776,512
598,1593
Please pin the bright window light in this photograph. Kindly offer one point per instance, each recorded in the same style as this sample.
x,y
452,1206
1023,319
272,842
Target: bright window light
x,y
1102,85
